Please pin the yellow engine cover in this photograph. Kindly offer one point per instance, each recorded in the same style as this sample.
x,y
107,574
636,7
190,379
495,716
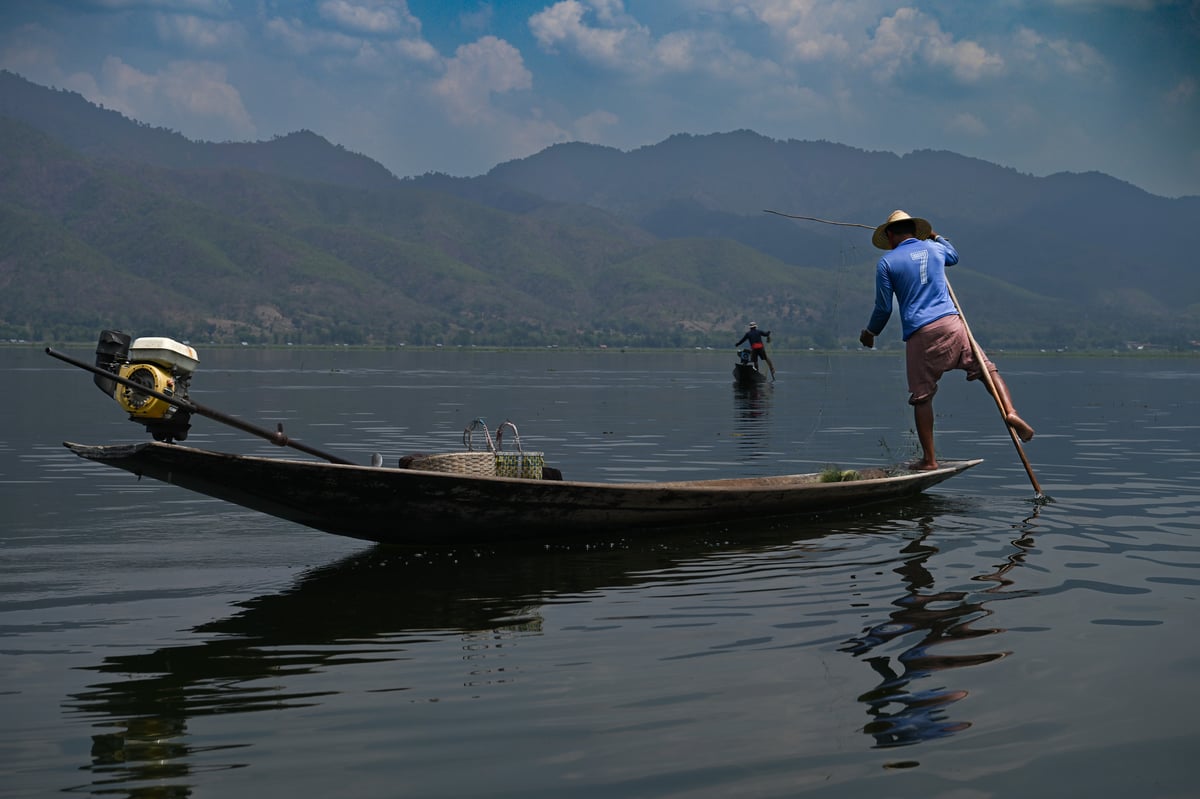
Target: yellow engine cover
x,y
141,405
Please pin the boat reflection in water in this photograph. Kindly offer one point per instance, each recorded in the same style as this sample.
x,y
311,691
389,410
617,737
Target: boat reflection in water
x,y
900,715
378,605
751,421
389,606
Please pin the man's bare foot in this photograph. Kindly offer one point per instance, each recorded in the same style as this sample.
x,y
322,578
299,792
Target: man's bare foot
x,y
1019,426
923,466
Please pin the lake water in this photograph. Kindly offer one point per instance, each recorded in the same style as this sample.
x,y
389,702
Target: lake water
x,y
970,643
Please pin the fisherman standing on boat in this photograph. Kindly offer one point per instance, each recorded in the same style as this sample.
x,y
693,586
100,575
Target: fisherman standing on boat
x,y
758,349
936,338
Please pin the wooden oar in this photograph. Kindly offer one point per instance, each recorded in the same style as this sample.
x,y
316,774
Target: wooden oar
x,y
276,437
991,387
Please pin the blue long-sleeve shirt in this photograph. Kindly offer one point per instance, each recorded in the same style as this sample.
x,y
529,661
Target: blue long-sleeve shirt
x,y
915,272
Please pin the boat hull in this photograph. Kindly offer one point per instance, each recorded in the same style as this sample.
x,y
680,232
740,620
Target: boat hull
x,y
747,375
407,506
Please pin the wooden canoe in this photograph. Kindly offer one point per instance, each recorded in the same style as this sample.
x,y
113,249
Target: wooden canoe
x,y
747,375
409,506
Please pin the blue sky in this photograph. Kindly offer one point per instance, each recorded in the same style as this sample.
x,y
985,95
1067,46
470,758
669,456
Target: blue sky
x,y
453,86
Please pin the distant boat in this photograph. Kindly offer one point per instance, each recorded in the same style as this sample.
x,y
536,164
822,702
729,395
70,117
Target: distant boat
x,y
745,372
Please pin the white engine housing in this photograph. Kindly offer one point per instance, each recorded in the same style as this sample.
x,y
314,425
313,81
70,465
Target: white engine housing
x,y
179,358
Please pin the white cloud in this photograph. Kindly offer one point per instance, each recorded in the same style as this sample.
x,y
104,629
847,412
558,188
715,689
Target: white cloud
x,y
415,50
811,31
371,17
620,43
1052,58
594,127
191,95
968,124
209,7
484,90
479,20
709,54
600,33
476,72
301,40
373,54
967,61
910,39
817,46
198,33
677,51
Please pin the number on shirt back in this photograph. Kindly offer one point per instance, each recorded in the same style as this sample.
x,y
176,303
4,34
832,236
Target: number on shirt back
x,y
922,258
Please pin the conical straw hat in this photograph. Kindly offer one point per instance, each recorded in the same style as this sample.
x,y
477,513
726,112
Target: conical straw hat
x,y
879,239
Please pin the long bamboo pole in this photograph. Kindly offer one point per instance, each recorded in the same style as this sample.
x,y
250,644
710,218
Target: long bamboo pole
x,y
975,348
991,387
815,219
276,437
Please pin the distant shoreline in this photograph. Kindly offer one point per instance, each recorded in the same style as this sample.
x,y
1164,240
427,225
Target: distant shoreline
x,y
895,349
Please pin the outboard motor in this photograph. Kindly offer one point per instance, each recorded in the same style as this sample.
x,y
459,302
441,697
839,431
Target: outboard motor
x,y
160,364
112,350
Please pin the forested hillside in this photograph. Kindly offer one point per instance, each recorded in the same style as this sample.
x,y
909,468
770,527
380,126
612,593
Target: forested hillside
x,y
1072,237
105,222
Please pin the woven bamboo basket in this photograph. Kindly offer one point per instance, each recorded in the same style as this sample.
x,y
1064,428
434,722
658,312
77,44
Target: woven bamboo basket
x,y
520,464
480,464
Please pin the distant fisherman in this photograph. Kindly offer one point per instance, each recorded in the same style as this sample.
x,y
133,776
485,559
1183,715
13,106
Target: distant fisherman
x,y
757,348
936,339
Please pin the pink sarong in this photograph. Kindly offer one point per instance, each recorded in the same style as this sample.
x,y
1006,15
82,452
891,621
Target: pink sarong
x,y
939,347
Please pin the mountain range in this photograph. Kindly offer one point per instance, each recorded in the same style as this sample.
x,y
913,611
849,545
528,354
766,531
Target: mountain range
x,y
109,223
